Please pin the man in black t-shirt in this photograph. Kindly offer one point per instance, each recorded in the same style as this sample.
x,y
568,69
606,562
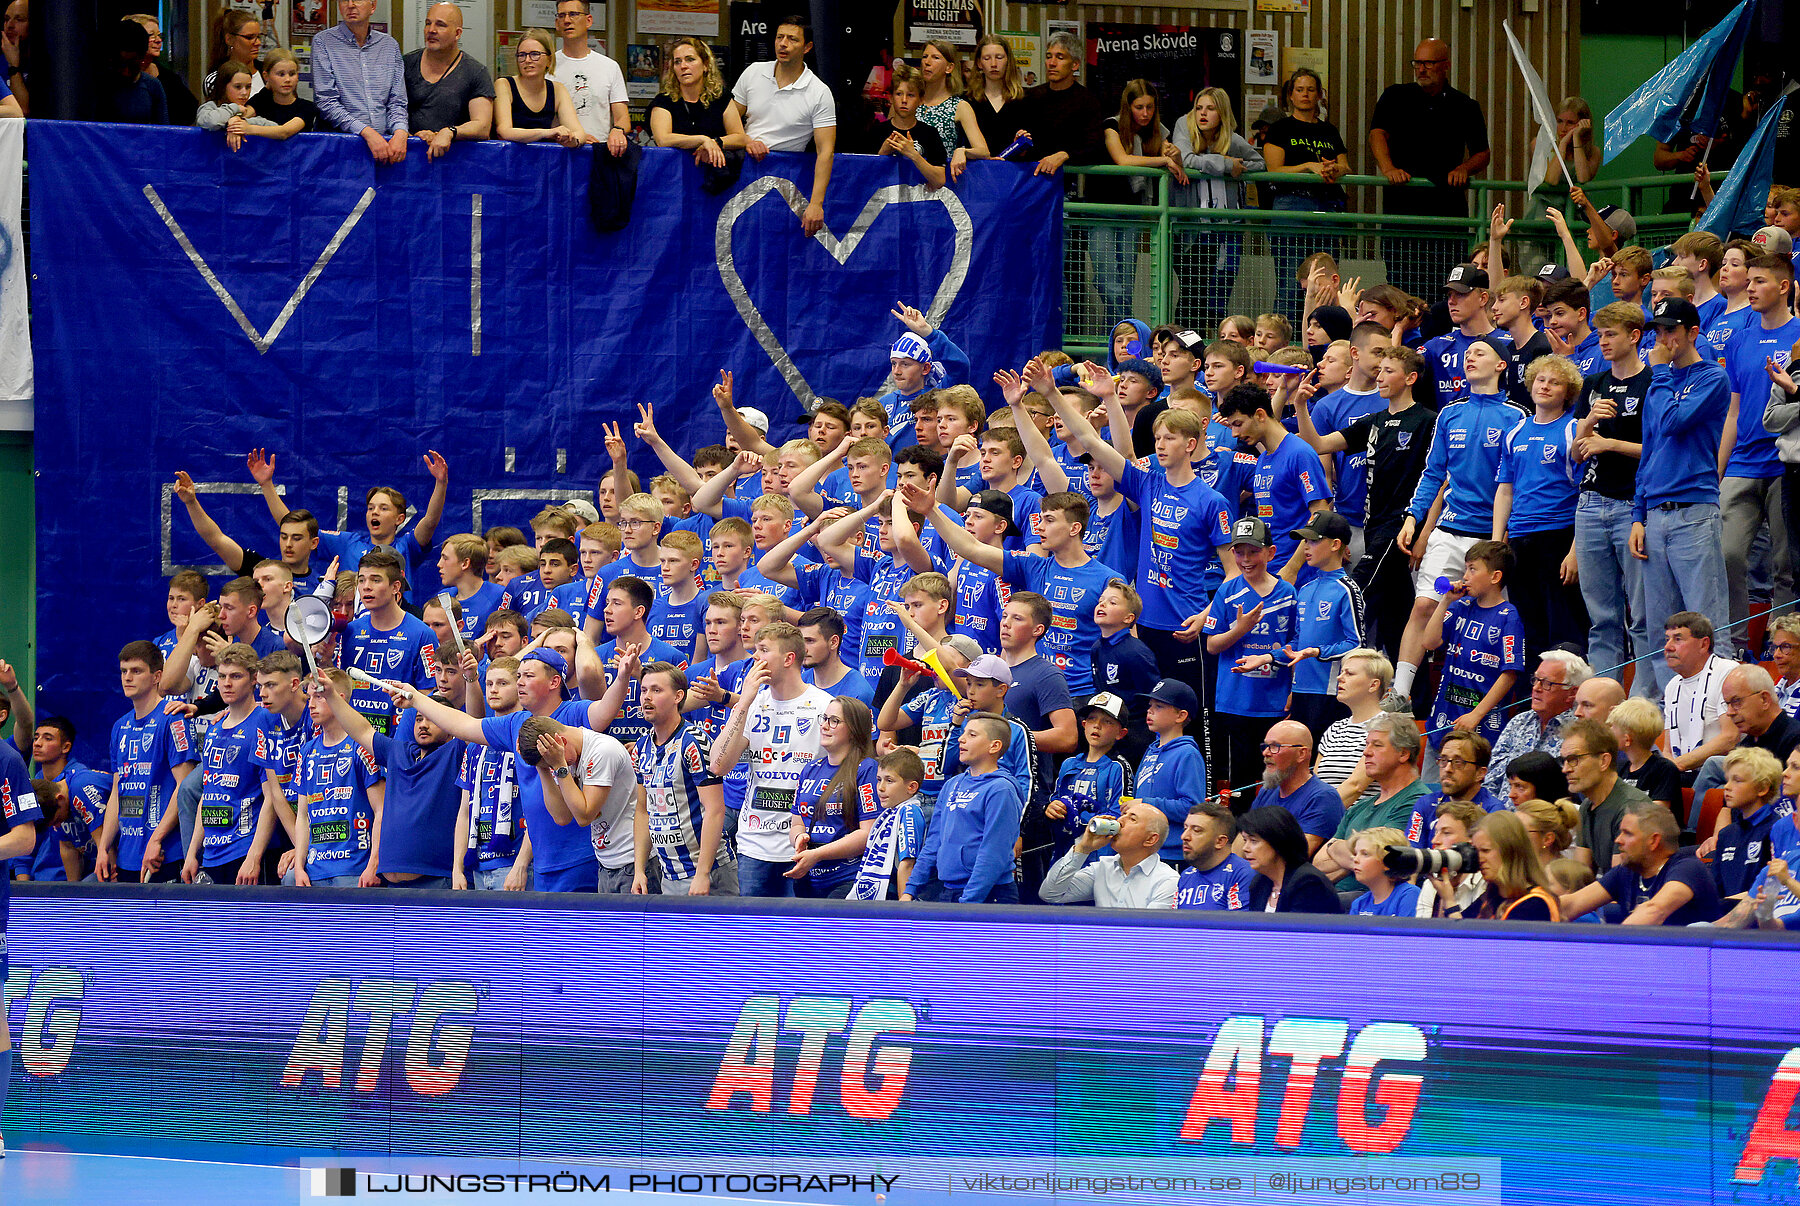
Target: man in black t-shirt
x,y
449,95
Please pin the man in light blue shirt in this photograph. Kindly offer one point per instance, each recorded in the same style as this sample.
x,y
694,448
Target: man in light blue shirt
x,y
359,82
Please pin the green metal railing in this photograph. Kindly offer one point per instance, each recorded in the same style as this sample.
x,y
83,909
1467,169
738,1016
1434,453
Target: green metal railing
x,y
1105,244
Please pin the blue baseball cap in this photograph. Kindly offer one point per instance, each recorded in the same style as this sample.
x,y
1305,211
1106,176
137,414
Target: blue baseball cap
x,y
1176,694
550,658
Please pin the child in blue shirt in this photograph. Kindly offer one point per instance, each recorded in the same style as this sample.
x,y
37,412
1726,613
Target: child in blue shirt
x,y
1485,647
898,833
1249,628
1172,774
1328,622
1091,784
1387,895
968,854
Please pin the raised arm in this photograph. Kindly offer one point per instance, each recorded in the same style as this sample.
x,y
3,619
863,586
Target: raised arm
x,y
804,489
834,541
948,492
777,565
426,527
456,723
229,551
956,537
732,739
908,549
1111,461
747,437
685,475
1037,448
262,472
709,499
356,726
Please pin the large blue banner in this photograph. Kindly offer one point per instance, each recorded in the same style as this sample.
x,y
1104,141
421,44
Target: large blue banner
x,y
191,303
1577,1064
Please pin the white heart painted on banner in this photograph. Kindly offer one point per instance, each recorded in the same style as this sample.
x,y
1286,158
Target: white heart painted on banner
x,y
840,249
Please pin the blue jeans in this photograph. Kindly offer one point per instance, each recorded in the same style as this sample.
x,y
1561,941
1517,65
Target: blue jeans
x,y
1114,252
1612,586
757,878
1685,570
490,877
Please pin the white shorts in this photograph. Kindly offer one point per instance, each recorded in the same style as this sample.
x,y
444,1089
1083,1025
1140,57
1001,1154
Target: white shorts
x,y
1444,558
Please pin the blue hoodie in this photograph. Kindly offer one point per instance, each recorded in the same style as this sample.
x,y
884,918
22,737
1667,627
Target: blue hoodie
x,y
1684,419
969,846
1172,776
1143,334
1466,449
945,355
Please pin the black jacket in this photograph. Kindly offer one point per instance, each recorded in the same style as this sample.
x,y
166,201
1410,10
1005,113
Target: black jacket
x,y
1305,890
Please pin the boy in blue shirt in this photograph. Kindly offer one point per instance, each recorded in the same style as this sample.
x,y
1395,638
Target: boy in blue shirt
x,y
1172,775
1387,895
1534,508
1123,664
152,752
385,641
1485,651
1566,321
462,564
1212,877
678,617
898,834
1466,298
488,826
1249,629
1290,478
1328,622
968,854
338,792
1090,784
239,782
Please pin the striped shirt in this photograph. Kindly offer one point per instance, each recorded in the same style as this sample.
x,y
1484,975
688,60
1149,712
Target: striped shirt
x,y
359,87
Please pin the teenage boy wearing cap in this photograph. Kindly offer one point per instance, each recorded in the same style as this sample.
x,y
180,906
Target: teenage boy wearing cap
x,y
1172,774
1090,784
1249,629
1178,355
1328,622
1463,466
1466,296
923,358
1750,489
1677,531
560,857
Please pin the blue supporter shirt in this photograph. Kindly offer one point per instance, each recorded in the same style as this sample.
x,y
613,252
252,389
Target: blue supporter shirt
x,y
404,653
1480,644
1403,901
231,795
285,741
1444,362
1754,455
145,754
881,628
853,685
1112,538
672,775
491,777
526,595
554,847
1289,479
1172,776
477,608
1724,326
629,724
20,806
1182,529
827,820
1538,461
678,624
1315,804
1466,452
1684,417
350,547
1586,355
420,802
980,598
572,598
1226,886
931,711
1069,642
823,586
1088,787
710,719
332,782
1329,617
88,790
1260,692
1334,412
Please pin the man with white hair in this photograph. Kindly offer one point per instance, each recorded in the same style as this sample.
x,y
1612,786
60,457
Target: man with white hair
x,y
1559,676
1755,713
1132,877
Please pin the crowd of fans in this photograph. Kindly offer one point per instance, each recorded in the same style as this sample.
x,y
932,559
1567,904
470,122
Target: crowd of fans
x,y
1254,613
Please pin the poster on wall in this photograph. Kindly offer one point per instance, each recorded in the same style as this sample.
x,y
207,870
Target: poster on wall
x,y
1052,28
1284,6
1263,60
539,14
505,42
1178,60
1311,57
678,17
752,36
1028,53
307,18
957,22
643,67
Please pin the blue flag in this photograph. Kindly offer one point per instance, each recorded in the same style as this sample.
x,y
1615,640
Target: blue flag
x,y
1656,107
1738,205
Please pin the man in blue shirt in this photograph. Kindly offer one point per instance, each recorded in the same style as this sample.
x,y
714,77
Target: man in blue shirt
x,y
1212,877
238,784
1676,529
1288,781
152,752
359,82
1750,489
1655,882
1466,297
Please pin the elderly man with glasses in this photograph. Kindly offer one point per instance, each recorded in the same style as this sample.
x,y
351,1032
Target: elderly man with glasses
x,y
1559,676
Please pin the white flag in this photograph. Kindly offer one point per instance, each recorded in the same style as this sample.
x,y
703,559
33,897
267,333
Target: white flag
x,y
1543,148
15,323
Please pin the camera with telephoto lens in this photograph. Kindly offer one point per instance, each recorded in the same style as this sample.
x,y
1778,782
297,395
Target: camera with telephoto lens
x,y
1452,860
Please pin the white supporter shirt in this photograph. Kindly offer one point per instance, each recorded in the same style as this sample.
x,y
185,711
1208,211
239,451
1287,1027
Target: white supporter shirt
x,y
783,118
595,82
1692,706
783,736
606,763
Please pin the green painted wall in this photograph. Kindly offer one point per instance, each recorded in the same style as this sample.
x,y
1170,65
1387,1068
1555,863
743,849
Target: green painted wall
x,y
18,556
1612,67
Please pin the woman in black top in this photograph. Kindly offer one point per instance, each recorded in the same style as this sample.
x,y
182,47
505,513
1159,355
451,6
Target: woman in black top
x,y
693,112
1518,889
531,107
1286,881
997,95
1304,141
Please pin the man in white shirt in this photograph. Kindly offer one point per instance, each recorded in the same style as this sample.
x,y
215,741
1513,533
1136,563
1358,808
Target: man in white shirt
x,y
1132,877
594,80
589,776
1694,700
783,106
775,725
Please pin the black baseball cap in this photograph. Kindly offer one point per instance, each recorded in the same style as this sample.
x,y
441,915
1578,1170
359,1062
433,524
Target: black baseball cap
x,y
1324,525
1552,272
1251,530
1466,278
1675,312
1193,341
994,503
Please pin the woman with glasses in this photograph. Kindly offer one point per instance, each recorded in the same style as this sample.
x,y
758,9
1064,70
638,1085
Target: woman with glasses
x,y
834,802
183,107
236,35
530,106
